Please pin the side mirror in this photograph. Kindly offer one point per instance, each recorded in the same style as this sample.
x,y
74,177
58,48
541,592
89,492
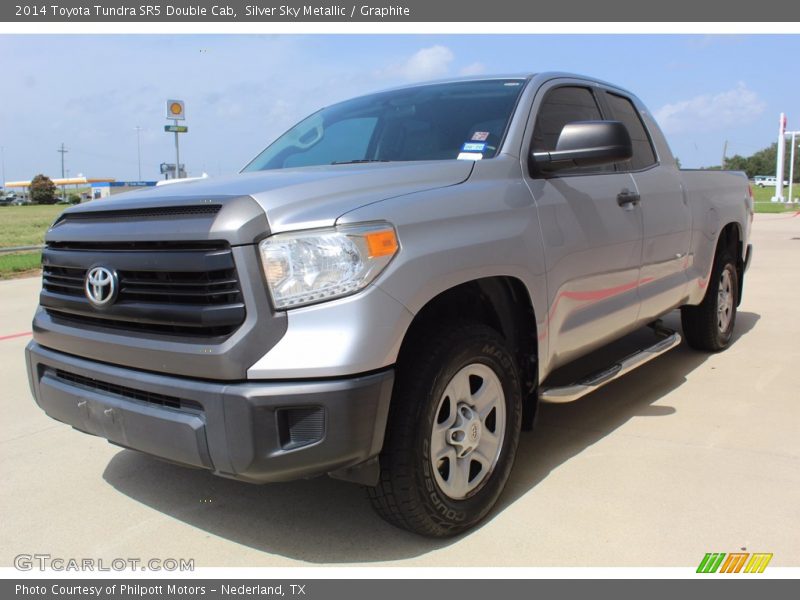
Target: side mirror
x,y
585,144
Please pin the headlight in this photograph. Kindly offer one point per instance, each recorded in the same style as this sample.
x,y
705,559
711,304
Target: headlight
x,y
316,265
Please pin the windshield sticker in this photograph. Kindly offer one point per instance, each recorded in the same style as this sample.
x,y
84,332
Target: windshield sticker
x,y
473,147
480,136
470,156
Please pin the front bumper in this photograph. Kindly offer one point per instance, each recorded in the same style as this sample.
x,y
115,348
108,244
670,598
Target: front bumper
x,y
253,431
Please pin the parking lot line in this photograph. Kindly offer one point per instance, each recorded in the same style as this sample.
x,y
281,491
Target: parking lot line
x,y
15,335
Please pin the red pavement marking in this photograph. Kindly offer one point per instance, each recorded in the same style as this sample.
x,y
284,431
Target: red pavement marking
x,y
792,216
15,335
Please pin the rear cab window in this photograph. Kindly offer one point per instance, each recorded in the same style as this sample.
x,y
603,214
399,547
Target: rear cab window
x,y
622,109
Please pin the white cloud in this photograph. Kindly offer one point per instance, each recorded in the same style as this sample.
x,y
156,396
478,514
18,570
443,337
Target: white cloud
x,y
427,63
476,68
708,112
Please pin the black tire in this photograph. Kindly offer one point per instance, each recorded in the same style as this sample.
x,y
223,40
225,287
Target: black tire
x,y
408,494
701,323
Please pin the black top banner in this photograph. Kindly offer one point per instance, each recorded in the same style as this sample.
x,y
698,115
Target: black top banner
x,y
411,11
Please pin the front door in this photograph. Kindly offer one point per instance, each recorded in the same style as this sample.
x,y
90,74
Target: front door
x,y
592,236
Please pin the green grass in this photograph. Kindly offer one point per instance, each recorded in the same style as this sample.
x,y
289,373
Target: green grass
x,y
14,264
762,197
23,226
26,225
775,207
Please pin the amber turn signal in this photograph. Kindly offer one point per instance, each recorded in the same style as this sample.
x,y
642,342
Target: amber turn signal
x,y
381,243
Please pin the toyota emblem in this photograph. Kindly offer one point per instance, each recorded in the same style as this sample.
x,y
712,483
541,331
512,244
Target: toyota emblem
x,y
100,286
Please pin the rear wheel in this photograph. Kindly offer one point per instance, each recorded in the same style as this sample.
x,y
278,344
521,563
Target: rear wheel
x,y
709,325
453,431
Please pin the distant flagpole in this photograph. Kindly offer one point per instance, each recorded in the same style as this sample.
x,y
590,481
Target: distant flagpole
x,y
779,167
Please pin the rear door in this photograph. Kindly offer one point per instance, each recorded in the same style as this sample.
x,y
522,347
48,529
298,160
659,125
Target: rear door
x,y
592,241
665,213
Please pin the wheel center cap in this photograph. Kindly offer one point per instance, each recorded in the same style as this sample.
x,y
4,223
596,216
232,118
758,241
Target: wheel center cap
x,y
474,432
465,435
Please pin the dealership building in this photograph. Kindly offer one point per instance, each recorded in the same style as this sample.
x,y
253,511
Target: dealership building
x,y
100,187
103,189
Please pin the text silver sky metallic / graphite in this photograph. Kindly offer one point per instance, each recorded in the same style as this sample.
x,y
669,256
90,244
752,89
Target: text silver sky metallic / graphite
x,y
308,10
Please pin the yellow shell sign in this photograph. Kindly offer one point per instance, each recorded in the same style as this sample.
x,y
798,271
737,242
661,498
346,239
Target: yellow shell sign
x,y
176,109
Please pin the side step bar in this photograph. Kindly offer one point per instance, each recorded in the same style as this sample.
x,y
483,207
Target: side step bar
x,y
589,384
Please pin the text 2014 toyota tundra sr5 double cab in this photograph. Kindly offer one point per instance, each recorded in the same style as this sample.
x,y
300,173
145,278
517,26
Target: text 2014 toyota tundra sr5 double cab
x,y
383,292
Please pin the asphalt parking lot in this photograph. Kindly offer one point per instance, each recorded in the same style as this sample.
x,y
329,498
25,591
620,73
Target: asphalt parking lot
x,y
690,454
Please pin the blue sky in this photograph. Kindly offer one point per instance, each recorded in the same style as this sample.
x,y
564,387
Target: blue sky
x,y
91,91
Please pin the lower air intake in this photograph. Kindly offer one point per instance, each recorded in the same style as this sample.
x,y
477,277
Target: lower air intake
x,y
300,426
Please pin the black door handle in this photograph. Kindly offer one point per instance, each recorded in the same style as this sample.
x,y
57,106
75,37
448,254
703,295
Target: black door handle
x,y
626,197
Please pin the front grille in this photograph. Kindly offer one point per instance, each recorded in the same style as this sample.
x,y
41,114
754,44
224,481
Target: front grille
x,y
128,393
170,287
155,212
146,329
63,280
176,289
185,246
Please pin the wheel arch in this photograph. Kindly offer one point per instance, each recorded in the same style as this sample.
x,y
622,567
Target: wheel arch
x,y
730,238
500,302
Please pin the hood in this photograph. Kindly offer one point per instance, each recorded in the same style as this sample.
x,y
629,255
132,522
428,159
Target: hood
x,y
305,197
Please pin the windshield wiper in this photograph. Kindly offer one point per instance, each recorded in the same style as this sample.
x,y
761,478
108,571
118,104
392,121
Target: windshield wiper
x,y
361,160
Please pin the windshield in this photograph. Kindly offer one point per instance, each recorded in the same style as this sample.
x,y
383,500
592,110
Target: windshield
x,y
432,122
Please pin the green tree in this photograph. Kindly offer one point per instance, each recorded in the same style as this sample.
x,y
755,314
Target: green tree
x,y
763,162
43,190
737,163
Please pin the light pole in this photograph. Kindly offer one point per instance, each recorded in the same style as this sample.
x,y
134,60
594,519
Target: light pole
x,y
177,155
724,153
63,151
778,197
139,151
791,165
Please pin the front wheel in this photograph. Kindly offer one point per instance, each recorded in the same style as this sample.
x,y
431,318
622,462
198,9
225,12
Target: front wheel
x,y
453,431
709,325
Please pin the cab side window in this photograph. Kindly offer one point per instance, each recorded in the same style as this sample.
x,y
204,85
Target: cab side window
x,y
623,110
560,106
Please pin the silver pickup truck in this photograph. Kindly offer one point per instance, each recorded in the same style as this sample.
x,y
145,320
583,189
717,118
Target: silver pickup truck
x,y
383,292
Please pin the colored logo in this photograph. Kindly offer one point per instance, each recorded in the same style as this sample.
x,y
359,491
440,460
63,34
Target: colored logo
x,y
176,109
734,562
100,286
473,147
